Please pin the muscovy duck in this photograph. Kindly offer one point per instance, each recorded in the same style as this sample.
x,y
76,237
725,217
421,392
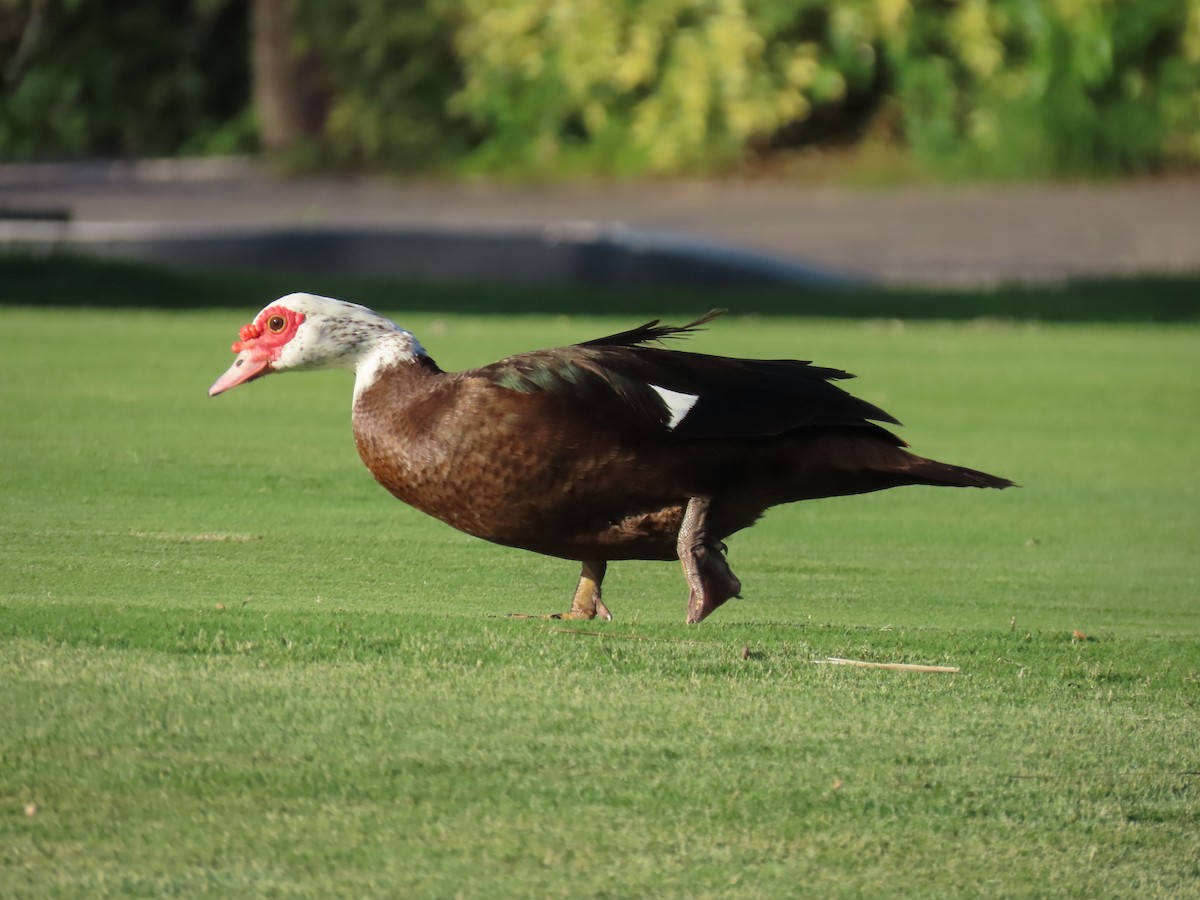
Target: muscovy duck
x,y
605,450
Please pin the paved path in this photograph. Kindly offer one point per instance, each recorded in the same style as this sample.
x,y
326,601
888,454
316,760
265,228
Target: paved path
x,y
909,235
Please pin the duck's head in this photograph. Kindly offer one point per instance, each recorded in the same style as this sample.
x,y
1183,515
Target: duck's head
x,y
306,331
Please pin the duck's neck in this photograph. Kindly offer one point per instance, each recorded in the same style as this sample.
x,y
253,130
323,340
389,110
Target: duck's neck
x,y
396,354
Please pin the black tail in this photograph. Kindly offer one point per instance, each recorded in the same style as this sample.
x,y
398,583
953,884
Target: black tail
x,y
930,471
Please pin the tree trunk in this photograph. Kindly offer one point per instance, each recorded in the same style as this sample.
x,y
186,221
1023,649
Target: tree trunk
x,y
278,90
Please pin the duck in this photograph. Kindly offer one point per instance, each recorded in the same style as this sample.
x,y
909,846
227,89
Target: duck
x,y
616,448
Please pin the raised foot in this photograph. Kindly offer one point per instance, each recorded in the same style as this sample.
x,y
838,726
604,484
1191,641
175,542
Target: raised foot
x,y
710,580
718,584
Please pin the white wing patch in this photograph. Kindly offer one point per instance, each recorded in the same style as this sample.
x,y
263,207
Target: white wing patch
x,y
678,405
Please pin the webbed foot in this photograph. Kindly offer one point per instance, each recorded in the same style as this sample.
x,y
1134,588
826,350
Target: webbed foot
x,y
710,580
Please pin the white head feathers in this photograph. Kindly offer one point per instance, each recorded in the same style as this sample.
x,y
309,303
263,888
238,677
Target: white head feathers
x,y
340,335
306,331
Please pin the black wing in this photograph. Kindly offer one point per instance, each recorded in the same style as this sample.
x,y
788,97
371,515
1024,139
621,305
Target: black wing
x,y
691,395
652,331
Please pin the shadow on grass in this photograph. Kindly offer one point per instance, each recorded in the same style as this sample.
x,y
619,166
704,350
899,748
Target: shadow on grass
x,y
78,281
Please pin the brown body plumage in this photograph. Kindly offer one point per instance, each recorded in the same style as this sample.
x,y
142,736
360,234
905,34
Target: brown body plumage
x,y
613,449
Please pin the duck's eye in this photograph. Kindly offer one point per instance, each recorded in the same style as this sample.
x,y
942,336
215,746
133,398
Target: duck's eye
x,y
276,324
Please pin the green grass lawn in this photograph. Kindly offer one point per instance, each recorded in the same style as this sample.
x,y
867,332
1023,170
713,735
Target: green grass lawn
x,y
232,665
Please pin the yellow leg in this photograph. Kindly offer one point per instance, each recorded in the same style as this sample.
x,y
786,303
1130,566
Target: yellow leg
x,y
586,604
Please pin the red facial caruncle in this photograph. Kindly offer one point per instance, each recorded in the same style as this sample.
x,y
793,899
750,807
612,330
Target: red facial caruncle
x,y
274,327
261,343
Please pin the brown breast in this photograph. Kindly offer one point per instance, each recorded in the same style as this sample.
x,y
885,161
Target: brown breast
x,y
524,470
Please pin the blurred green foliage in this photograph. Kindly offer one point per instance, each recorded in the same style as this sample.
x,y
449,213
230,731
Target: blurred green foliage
x,y
91,77
1003,88
392,68
634,86
992,88
1044,87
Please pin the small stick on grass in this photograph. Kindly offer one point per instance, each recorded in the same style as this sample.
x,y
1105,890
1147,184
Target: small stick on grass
x,y
898,667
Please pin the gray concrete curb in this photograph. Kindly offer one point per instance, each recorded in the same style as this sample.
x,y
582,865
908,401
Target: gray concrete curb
x,y
574,253
676,231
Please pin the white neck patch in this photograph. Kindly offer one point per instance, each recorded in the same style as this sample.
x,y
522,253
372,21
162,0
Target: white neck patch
x,y
387,351
678,404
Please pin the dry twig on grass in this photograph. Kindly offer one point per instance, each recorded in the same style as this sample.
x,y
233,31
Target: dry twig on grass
x,y
898,667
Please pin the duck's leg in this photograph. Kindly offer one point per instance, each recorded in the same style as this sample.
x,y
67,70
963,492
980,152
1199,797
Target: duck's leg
x,y
709,577
586,604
